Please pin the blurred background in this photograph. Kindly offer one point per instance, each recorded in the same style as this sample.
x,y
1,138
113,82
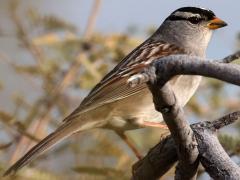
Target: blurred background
x,y
53,52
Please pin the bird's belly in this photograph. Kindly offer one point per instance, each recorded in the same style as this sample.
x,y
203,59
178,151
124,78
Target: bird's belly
x,y
184,87
131,112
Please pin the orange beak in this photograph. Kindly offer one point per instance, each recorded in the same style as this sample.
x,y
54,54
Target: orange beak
x,y
216,23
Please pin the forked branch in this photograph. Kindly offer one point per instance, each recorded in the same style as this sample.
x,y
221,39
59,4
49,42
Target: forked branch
x,y
191,144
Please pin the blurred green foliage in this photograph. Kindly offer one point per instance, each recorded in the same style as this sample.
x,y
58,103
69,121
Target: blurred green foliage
x,y
63,67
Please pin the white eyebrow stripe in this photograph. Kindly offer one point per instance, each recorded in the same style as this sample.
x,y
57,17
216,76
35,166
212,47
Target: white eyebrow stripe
x,y
186,14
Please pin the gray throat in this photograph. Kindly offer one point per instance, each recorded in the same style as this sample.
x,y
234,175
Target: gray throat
x,y
194,41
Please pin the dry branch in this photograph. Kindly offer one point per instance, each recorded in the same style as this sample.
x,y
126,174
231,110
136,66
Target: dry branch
x,y
157,162
212,156
187,142
39,125
92,18
166,103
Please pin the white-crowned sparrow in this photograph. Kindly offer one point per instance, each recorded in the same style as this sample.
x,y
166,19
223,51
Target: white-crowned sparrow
x,y
113,104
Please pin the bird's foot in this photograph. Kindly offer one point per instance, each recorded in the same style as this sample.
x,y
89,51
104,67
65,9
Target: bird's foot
x,y
154,124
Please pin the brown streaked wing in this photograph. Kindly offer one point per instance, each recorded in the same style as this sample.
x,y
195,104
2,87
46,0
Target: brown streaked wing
x,y
114,85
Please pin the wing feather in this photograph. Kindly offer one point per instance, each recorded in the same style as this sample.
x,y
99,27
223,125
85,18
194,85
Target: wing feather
x,y
114,87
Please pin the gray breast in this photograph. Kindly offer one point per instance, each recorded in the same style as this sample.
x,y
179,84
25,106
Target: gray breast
x,y
184,87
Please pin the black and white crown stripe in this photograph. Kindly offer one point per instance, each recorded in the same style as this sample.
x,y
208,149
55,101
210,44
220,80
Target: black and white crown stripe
x,y
188,13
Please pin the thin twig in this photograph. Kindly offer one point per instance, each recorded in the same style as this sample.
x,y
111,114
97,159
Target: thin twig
x,y
226,120
92,18
40,124
231,58
10,62
5,145
9,121
23,35
38,55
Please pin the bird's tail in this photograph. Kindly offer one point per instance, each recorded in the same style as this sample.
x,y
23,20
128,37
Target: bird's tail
x,y
64,131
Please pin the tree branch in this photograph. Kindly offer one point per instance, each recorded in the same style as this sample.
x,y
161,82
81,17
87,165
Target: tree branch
x,y
92,18
231,58
167,67
157,162
211,154
165,102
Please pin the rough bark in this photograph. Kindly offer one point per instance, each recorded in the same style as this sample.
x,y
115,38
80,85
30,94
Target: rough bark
x,y
211,154
190,145
157,162
186,145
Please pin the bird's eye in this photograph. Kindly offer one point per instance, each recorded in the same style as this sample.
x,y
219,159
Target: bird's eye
x,y
194,20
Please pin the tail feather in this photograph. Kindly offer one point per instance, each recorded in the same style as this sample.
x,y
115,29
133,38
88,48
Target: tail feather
x,y
64,131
